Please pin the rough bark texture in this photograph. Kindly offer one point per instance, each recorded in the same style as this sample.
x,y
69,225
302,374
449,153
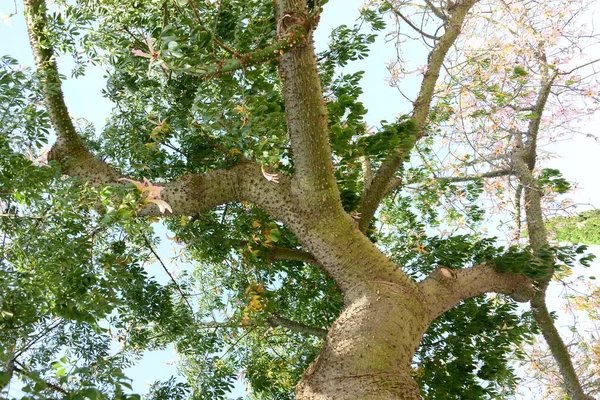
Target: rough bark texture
x,y
445,287
367,352
523,163
306,115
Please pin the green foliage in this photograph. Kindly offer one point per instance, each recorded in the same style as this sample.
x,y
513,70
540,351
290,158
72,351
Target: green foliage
x,y
72,276
346,44
401,135
519,71
169,390
466,352
553,179
77,303
235,245
582,228
537,265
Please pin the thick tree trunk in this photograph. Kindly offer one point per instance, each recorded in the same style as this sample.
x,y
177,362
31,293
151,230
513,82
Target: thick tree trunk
x,y
368,351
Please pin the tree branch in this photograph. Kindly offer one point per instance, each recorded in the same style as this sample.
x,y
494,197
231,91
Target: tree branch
x,y
438,13
189,194
295,36
276,320
196,193
394,184
408,21
377,190
557,347
518,194
489,174
23,371
538,108
387,171
523,163
69,149
164,267
314,181
287,254
444,288
486,159
367,172
274,253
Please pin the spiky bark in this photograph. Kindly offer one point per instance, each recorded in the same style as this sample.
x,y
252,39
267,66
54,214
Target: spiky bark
x,y
368,350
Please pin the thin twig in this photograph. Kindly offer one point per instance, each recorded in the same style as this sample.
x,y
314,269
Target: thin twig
x,y
408,21
23,371
35,340
149,245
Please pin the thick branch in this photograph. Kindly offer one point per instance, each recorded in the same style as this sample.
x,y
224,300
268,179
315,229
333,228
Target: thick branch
x,y
295,36
377,189
444,288
538,237
367,172
538,108
287,254
394,184
314,181
436,59
518,195
69,150
196,193
274,253
387,171
523,162
276,320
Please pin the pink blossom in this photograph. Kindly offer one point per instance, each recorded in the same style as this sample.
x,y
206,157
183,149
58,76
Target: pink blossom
x,y
153,55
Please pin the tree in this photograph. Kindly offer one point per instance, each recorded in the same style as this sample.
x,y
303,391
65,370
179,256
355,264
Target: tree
x,y
582,228
272,180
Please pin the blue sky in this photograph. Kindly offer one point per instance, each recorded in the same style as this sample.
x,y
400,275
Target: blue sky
x,y
578,159
84,100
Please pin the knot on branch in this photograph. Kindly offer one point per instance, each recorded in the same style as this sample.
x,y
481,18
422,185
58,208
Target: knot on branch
x,y
523,293
292,26
443,274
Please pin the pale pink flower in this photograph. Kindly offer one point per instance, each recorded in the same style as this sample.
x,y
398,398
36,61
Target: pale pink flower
x,y
41,160
151,193
153,55
270,177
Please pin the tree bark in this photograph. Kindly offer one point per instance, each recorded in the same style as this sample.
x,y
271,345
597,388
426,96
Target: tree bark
x,y
523,162
368,350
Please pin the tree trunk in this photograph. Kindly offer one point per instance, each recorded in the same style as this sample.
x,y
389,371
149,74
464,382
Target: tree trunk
x,y
368,350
